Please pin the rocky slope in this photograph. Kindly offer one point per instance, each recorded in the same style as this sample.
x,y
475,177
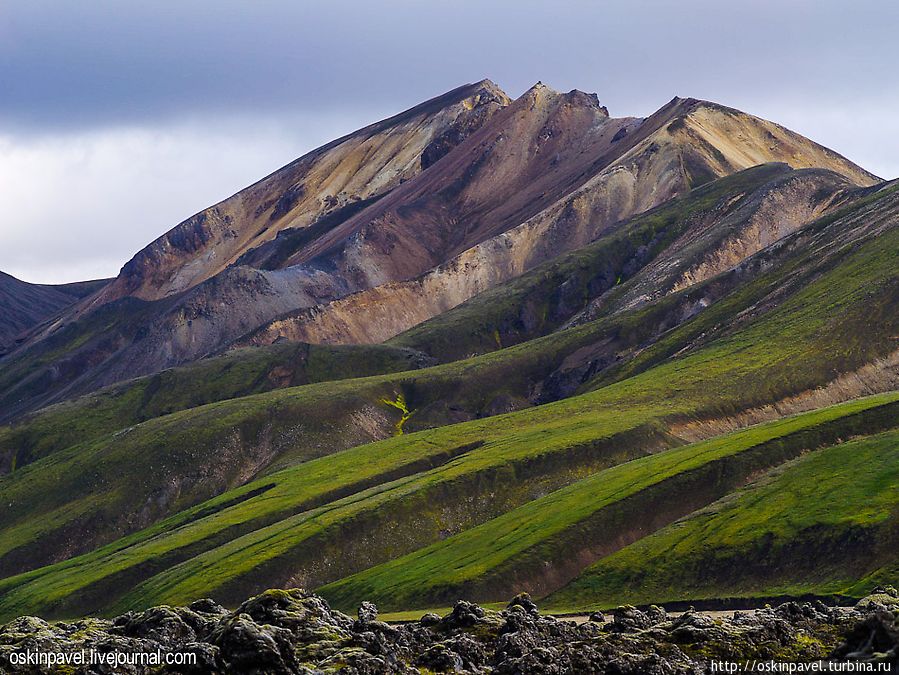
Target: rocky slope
x,y
723,239
293,632
394,224
685,144
329,182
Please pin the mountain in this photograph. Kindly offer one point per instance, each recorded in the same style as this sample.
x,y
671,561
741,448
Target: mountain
x,y
642,164
161,293
483,347
23,306
397,223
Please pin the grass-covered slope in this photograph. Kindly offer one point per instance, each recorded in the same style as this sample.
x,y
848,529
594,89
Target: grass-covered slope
x,y
542,544
821,524
343,513
293,539
235,374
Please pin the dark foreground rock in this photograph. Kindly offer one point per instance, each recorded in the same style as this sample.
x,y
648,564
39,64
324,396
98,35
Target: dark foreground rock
x,y
297,632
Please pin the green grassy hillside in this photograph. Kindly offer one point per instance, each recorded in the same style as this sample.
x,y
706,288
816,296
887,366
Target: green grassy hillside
x,y
235,374
536,547
824,524
332,511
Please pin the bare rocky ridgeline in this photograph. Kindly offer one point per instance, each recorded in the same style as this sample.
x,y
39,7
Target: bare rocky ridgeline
x,y
291,631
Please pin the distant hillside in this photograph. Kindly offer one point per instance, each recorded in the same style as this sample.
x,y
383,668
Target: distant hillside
x,y
24,305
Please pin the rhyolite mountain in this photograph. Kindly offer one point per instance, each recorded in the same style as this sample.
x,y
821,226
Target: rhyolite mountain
x,y
331,182
394,224
481,347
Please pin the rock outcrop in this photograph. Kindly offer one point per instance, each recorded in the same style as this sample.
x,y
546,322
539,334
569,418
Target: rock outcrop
x,y
291,631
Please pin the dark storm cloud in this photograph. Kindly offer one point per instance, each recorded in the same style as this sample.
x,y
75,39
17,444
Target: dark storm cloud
x,y
120,118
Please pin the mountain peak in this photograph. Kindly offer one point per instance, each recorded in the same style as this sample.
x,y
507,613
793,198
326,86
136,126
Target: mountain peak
x,y
574,97
403,196
586,99
489,90
539,87
489,85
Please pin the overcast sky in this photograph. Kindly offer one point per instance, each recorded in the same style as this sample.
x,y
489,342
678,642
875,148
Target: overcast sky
x,y
120,119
